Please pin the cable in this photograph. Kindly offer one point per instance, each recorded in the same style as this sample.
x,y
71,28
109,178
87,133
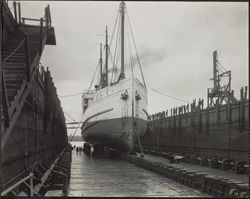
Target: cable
x,y
114,27
115,54
82,112
72,95
170,96
70,116
221,66
136,51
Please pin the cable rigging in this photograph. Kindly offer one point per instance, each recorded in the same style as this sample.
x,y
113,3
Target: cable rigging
x,y
178,99
136,51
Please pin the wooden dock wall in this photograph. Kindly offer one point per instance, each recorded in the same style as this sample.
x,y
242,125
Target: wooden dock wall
x,y
33,122
220,131
39,132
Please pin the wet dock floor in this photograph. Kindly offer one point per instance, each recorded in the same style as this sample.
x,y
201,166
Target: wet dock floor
x,y
108,177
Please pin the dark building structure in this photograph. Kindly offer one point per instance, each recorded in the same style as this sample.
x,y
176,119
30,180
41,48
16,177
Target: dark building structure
x,y
33,122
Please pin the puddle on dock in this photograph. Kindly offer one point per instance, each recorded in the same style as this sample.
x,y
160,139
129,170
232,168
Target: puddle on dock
x,y
114,177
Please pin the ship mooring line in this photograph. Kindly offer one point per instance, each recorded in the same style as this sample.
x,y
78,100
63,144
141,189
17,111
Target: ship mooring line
x,y
170,96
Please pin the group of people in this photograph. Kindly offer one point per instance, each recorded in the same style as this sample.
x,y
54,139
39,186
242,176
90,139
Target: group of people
x,y
78,149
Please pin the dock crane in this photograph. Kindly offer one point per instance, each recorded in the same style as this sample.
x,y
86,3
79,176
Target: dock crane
x,y
220,94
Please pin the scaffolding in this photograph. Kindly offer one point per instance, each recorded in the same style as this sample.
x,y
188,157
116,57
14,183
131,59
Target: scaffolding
x,y
220,94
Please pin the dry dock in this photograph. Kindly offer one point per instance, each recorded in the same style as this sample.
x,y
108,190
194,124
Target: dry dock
x,y
189,151
115,177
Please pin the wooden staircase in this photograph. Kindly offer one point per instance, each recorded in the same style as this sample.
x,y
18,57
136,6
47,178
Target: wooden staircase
x,y
15,66
21,57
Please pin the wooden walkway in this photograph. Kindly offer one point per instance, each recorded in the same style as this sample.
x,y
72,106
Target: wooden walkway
x,y
243,178
117,178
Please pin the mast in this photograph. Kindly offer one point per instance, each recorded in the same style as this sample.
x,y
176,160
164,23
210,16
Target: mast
x,y
215,58
106,59
122,76
100,64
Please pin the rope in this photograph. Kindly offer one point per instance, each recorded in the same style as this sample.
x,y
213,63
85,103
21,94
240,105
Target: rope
x,y
221,66
86,94
136,51
114,27
14,50
115,54
93,78
170,96
71,95
76,130
111,58
117,57
130,54
70,116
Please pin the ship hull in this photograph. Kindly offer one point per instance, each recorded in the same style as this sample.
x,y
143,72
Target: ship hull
x,y
108,119
112,133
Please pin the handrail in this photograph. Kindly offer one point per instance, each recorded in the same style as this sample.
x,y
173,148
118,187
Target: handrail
x,y
9,10
14,51
31,19
14,110
5,192
31,176
24,19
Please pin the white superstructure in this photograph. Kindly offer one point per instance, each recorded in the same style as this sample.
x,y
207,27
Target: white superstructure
x,y
115,114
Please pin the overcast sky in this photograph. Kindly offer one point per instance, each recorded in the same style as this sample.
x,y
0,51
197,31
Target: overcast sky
x,y
175,41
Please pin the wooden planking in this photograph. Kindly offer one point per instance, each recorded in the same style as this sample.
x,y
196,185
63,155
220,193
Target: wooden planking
x,y
208,131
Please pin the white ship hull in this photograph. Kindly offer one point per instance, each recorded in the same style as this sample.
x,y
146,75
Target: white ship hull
x,y
108,119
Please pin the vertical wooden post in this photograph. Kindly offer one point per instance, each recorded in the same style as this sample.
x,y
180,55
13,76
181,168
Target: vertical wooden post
x,y
43,73
19,12
240,107
180,111
158,133
218,110
31,186
242,117
163,118
27,56
192,124
47,19
49,16
207,121
15,11
245,93
207,97
1,104
199,116
41,36
229,117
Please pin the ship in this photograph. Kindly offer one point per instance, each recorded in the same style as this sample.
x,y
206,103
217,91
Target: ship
x,y
115,110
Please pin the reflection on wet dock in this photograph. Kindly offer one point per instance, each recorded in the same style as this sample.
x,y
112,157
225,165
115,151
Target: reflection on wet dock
x,y
91,176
